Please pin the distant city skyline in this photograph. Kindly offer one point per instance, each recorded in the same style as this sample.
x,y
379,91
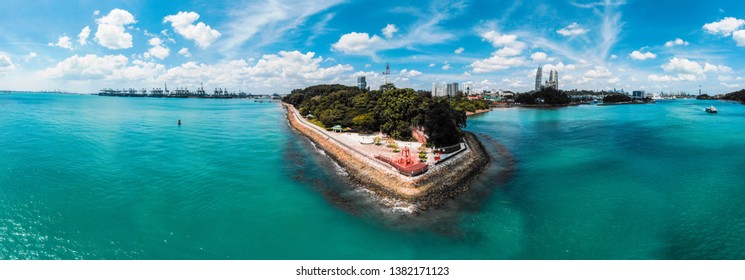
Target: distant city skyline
x,y
276,46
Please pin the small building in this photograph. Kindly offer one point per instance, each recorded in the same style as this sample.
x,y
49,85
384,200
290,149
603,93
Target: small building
x,y
337,128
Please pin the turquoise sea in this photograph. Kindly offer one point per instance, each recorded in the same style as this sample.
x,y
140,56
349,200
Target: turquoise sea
x,y
88,177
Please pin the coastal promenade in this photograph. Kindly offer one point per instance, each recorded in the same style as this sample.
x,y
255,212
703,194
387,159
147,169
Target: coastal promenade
x,y
441,182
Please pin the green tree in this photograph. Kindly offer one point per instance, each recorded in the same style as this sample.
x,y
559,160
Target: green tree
x,y
443,124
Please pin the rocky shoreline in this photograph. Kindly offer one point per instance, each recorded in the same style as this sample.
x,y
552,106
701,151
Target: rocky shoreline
x,y
441,183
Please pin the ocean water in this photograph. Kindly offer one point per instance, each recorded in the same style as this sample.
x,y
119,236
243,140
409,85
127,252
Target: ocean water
x,y
88,177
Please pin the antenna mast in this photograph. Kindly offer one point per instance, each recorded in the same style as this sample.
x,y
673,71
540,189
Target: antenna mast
x,y
387,72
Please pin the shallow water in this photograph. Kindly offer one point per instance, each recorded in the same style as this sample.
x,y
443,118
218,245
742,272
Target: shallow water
x,y
87,177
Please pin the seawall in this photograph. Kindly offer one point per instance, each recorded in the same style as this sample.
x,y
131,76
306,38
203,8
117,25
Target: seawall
x,y
442,182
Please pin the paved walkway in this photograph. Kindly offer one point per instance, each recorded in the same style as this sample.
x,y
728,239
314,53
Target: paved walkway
x,y
352,142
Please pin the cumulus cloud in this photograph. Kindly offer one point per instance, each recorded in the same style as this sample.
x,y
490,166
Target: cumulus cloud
x,y
598,72
502,40
158,50
111,32
280,72
637,55
446,67
504,58
86,67
6,64
410,73
732,86
688,70
573,29
496,63
708,67
539,57
739,37
389,30
31,55
185,52
432,65
724,27
356,43
676,42
83,35
63,42
656,78
183,23
683,66
459,50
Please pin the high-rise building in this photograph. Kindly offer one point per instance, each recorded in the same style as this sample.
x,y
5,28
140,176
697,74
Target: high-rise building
x,y
452,89
362,82
468,88
553,79
538,78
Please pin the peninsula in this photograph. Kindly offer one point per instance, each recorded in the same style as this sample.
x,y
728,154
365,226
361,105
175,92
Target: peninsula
x,y
398,143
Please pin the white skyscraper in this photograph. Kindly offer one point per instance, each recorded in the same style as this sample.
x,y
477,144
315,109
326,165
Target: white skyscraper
x,y
468,88
538,78
553,79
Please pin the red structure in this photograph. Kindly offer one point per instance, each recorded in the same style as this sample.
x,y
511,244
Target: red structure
x,y
405,163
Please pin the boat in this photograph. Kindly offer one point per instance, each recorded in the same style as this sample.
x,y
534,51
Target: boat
x,y
712,109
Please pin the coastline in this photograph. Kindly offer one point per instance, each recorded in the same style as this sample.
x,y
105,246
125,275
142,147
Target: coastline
x,y
442,182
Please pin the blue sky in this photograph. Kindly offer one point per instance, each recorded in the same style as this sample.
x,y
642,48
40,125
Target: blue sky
x,y
278,45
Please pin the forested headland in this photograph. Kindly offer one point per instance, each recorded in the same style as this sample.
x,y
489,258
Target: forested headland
x,y
392,111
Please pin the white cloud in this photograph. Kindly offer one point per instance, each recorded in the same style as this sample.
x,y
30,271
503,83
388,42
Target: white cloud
x,y
724,27
613,56
503,58
655,78
86,67
96,13
598,72
157,50
683,66
708,67
615,80
203,35
739,37
732,86
573,29
446,67
31,55
459,50
280,72
508,51
83,36
111,32
368,65
357,43
432,65
185,52
509,43
63,42
676,42
410,73
496,63
498,40
6,64
637,55
539,56
389,30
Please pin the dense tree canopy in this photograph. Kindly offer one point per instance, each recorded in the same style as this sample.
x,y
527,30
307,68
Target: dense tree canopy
x,y
548,96
393,111
616,98
735,96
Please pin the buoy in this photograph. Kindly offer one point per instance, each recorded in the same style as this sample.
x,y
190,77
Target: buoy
x,y
179,122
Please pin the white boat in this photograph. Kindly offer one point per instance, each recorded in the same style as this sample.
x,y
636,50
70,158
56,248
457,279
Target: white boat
x,y
712,109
